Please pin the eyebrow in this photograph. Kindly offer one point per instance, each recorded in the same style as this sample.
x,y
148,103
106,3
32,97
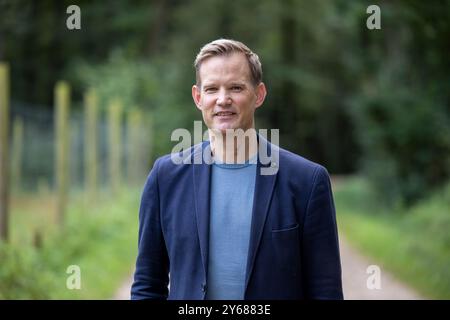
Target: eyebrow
x,y
233,83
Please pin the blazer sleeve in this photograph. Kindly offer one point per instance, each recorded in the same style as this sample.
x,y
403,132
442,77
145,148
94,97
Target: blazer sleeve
x,y
151,277
321,258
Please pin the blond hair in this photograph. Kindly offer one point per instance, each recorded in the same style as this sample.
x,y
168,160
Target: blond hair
x,y
226,47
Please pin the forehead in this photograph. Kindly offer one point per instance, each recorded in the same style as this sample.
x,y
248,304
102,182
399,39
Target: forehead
x,y
225,68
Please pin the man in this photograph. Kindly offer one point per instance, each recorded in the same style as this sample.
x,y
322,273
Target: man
x,y
222,229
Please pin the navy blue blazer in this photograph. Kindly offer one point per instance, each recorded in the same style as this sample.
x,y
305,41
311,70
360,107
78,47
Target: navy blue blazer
x,y
293,250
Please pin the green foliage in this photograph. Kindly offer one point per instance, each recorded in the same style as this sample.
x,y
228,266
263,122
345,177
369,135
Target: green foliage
x,y
405,142
152,85
414,244
118,77
342,95
401,109
101,239
20,277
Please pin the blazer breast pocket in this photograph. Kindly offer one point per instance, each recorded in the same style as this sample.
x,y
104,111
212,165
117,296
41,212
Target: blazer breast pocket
x,y
288,228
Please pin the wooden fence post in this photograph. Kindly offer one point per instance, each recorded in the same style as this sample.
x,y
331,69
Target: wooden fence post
x,y
62,100
115,145
4,150
134,145
139,138
17,150
90,143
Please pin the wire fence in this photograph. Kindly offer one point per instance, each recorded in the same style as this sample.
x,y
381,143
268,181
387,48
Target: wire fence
x,y
33,167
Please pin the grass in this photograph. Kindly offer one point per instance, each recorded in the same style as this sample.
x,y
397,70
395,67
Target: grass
x,y
100,238
413,244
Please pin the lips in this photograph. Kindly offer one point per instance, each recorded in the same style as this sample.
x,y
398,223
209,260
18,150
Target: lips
x,y
224,113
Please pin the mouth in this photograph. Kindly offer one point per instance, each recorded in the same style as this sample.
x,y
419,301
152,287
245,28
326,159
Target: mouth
x,y
224,114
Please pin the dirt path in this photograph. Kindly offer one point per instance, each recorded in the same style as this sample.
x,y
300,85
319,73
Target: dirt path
x,y
354,277
123,293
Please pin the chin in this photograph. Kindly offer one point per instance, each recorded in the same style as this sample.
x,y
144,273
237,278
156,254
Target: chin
x,y
224,129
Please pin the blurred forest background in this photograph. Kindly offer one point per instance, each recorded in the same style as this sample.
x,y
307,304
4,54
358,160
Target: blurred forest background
x,y
373,106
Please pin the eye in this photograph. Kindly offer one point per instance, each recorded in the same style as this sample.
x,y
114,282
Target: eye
x,y
236,88
210,89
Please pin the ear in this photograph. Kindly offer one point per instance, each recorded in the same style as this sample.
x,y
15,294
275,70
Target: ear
x,y
261,93
196,95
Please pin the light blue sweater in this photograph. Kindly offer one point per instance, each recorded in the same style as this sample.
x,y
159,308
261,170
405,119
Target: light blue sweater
x,y
232,190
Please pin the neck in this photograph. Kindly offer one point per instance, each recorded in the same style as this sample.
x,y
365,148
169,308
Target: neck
x,y
233,146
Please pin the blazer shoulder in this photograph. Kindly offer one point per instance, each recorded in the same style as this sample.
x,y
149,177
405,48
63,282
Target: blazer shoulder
x,y
174,161
296,165
293,159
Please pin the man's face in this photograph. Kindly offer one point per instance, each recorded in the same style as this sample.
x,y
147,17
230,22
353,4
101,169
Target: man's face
x,y
226,96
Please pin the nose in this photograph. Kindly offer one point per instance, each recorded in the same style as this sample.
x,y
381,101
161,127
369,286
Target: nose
x,y
223,98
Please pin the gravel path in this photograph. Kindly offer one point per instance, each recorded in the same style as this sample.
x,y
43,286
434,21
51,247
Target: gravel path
x,y
124,291
355,276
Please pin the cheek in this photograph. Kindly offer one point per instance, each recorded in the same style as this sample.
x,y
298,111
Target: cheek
x,y
246,106
207,109
207,103
245,101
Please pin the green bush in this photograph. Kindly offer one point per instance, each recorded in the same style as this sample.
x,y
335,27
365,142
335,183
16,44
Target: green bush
x,y
101,239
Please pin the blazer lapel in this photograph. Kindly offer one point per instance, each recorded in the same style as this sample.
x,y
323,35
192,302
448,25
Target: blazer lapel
x,y
201,187
264,186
